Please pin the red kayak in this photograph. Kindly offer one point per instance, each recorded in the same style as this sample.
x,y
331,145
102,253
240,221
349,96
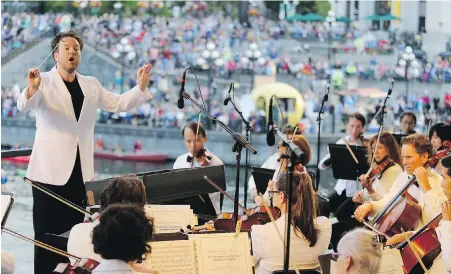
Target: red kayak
x,y
131,156
18,159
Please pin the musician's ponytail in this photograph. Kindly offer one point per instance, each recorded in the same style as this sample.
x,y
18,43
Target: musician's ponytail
x,y
304,208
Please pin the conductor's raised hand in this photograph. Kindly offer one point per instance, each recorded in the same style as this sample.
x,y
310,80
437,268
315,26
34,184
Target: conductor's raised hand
x,y
143,76
34,81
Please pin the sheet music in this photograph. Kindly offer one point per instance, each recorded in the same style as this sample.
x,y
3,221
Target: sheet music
x,y
391,262
6,201
223,253
172,257
171,219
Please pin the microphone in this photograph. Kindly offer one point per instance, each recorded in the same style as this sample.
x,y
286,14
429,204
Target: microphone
x,y
326,97
270,137
227,99
181,102
391,87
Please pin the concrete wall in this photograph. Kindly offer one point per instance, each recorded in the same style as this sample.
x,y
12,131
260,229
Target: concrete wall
x,y
21,131
410,11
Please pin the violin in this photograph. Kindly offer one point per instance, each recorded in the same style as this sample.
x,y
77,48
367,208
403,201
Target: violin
x,y
84,266
225,222
380,168
203,158
403,214
81,266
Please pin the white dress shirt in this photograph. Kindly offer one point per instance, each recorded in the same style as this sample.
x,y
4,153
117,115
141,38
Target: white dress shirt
x,y
268,249
429,202
271,163
58,133
351,186
383,184
113,266
80,242
181,162
443,262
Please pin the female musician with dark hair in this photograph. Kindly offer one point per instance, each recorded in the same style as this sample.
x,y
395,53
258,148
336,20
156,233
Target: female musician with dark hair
x,y
198,155
125,190
416,150
387,166
438,134
122,238
310,234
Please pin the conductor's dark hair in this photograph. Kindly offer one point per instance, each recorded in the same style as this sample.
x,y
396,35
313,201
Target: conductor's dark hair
x,y
124,233
358,116
123,190
71,33
193,127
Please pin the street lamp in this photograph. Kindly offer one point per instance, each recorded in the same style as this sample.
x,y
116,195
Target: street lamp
x,y
253,54
330,20
126,52
407,60
210,56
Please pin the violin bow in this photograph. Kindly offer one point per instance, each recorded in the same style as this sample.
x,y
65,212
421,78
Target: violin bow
x,y
350,150
223,192
195,138
271,217
426,271
382,112
57,197
40,244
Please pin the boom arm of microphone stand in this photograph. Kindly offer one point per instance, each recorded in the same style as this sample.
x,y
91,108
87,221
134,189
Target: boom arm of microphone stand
x,y
293,148
238,139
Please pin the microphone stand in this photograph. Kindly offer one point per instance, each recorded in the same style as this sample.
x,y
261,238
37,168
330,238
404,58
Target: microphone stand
x,y
295,154
320,117
240,143
248,129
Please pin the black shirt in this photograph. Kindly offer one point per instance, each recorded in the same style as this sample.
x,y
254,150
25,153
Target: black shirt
x,y
77,96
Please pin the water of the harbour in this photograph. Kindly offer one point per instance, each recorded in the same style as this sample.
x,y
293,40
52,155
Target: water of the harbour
x,y
20,218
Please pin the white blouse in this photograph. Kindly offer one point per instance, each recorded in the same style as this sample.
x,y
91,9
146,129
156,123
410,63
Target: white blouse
x,y
382,185
268,249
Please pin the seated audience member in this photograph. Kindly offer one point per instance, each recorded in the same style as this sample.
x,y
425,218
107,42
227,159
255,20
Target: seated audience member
x,y
310,235
358,253
122,238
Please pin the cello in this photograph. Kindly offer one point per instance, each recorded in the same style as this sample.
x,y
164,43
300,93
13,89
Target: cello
x,y
403,212
425,243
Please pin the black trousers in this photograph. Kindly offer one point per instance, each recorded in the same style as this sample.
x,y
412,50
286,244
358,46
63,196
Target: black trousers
x,y
344,208
55,217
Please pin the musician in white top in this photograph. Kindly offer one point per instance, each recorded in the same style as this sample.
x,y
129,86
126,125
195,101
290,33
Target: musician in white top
x,y
310,235
442,263
416,150
341,199
197,155
386,156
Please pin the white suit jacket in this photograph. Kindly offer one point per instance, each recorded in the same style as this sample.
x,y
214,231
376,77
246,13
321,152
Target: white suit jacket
x,y
57,131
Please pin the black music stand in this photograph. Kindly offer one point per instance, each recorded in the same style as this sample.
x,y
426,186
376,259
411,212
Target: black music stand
x,y
185,187
343,164
6,209
97,186
261,177
398,137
